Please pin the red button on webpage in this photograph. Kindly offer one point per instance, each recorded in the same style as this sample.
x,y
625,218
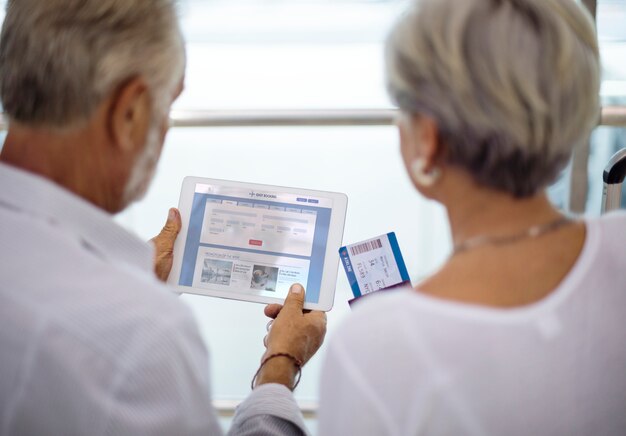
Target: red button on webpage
x,y
255,242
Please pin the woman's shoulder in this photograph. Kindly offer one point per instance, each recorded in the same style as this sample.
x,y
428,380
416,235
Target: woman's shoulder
x,y
613,221
613,216
607,234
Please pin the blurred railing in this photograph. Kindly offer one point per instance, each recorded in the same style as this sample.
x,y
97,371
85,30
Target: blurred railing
x,y
614,116
302,118
610,116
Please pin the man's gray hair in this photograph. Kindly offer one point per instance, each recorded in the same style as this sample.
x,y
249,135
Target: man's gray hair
x,y
59,59
513,84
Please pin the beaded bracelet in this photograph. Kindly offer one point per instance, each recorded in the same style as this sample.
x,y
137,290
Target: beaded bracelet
x,y
297,362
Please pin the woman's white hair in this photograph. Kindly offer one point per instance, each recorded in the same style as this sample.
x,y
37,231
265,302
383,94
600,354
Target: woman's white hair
x,y
60,58
512,84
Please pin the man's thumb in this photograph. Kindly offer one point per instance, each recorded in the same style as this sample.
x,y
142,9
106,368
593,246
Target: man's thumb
x,y
173,224
295,298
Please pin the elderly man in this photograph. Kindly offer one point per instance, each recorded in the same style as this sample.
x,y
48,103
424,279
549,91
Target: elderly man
x,y
92,342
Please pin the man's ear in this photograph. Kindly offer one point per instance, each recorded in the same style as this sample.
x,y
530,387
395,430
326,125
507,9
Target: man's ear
x,y
130,115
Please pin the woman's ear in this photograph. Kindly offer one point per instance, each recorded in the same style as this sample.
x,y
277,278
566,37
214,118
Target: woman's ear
x,y
408,144
426,134
421,150
419,139
130,115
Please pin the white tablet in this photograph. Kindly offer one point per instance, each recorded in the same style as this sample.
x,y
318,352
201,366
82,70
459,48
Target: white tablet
x,y
251,242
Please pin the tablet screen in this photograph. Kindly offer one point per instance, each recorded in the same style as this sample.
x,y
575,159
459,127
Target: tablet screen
x,y
255,242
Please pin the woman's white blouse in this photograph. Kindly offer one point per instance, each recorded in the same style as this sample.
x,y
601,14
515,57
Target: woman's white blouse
x,y
408,364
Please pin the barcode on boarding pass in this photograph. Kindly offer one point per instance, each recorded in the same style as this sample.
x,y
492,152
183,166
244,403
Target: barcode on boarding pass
x,y
365,247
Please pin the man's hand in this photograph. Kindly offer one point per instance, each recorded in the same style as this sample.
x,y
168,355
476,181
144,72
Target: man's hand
x,y
294,331
164,245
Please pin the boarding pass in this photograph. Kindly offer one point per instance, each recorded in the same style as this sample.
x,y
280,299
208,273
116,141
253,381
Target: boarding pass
x,y
374,265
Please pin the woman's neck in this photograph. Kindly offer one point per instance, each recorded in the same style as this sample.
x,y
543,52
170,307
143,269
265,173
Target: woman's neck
x,y
486,212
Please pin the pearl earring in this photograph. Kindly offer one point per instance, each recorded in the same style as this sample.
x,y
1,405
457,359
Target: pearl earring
x,y
423,177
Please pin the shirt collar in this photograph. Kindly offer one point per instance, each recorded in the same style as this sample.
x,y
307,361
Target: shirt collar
x,y
39,197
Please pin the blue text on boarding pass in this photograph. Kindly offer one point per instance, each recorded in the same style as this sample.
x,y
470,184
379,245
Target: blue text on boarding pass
x,y
374,264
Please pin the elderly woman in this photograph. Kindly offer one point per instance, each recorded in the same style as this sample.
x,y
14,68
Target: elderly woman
x,y
522,330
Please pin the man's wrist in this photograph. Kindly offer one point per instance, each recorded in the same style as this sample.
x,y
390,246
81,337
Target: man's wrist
x,y
279,369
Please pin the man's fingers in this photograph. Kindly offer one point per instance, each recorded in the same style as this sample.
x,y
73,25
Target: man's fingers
x,y
295,299
272,310
164,244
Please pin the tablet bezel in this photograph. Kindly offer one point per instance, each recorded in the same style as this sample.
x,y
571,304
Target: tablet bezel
x,y
331,260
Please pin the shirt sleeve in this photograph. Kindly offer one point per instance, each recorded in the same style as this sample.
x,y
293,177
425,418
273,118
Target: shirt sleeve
x,y
269,410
